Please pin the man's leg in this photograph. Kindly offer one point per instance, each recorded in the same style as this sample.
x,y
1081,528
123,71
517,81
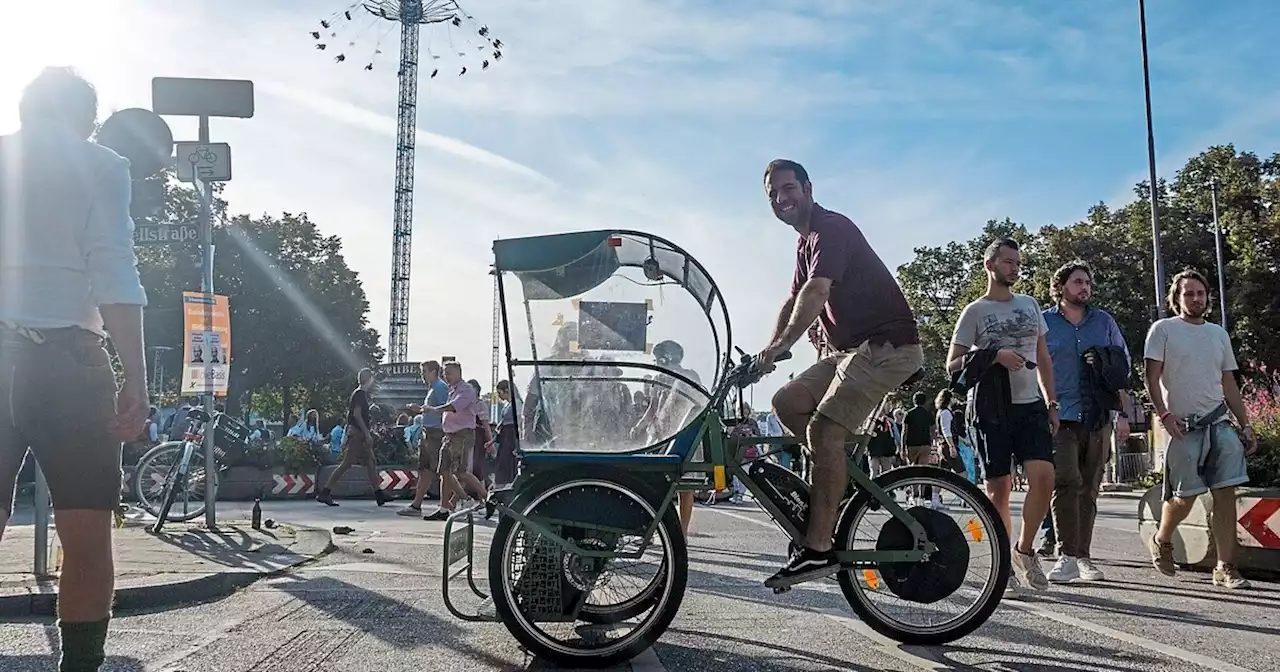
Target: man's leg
x,y
830,476
1092,468
1182,485
1226,468
428,464
1069,447
686,511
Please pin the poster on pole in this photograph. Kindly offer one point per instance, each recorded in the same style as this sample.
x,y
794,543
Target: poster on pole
x,y
206,344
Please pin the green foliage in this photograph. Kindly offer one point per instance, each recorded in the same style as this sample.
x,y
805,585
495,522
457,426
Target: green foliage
x,y
1117,244
296,456
1264,415
298,312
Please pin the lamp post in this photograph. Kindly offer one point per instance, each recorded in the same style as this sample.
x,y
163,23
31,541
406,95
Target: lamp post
x,y
1219,243
1156,258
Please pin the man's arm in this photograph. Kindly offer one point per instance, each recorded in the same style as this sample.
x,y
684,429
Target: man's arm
x,y
784,318
1115,337
1044,369
1231,393
117,290
808,304
358,414
955,357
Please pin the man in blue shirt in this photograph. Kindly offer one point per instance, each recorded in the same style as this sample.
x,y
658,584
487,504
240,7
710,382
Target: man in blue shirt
x,y
431,437
1081,448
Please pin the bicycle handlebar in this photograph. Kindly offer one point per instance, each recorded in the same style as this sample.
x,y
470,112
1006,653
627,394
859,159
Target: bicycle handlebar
x,y
747,372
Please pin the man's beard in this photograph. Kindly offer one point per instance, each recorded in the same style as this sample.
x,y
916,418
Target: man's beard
x,y
1195,313
1006,282
1078,303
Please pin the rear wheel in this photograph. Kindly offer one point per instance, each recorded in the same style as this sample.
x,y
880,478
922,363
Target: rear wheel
x,y
157,474
970,567
555,602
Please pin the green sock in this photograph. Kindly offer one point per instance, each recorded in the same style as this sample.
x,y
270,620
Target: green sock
x,y
83,645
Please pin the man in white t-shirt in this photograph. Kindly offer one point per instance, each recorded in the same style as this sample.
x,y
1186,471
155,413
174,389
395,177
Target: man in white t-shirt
x,y
1193,363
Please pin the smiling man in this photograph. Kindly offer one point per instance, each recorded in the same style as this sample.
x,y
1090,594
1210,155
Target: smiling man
x,y
871,347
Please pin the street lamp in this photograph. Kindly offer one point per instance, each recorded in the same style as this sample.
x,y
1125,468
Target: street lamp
x,y
1156,258
1219,244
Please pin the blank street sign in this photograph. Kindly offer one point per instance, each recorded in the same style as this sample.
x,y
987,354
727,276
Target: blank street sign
x,y
191,97
210,162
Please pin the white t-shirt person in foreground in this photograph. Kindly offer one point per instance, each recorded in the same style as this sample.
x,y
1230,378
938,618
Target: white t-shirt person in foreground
x,y
1193,363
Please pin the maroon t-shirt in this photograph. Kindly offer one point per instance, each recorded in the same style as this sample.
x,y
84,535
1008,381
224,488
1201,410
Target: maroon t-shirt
x,y
866,303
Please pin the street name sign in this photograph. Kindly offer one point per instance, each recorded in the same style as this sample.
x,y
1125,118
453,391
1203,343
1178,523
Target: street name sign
x,y
166,234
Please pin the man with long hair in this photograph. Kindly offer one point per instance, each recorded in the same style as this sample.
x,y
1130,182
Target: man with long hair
x,y
1190,374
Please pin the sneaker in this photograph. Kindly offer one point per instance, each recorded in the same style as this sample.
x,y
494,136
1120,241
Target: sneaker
x,y
381,497
439,514
1046,549
325,497
1013,589
805,564
410,510
1228,576
487,610
1065,570
1027,567
1162,557
1087,571
489,509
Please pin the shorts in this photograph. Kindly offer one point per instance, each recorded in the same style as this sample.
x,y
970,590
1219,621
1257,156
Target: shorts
x,y
429,444
1025,436
455,451
56,399
1224,466
355,448
849,385
919,454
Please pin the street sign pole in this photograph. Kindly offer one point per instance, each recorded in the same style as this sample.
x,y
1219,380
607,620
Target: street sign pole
x,y
206,285
41,559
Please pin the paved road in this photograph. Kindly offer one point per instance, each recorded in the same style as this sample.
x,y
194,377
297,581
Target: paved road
x,y
374,604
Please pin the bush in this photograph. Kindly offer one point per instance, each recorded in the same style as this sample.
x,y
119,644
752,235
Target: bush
x,y
296,456
1264,415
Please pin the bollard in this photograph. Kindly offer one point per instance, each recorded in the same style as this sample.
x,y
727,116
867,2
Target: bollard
x,y
41,558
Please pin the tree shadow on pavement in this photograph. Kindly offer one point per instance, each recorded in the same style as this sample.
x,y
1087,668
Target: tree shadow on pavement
x,y
1264,598
1180,615
49,663
737,660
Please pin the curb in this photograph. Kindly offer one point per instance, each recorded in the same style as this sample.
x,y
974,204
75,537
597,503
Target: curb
x,y
312,544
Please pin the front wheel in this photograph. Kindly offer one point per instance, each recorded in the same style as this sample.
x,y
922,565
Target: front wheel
x,y
969,569
544,595
157,475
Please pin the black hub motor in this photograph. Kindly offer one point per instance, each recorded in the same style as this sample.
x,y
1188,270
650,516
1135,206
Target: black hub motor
x,y
939,576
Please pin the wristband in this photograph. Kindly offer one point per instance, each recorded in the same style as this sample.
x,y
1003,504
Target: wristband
x,y
1165,415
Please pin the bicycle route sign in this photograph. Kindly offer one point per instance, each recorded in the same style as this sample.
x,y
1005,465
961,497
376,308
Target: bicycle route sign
x,y
211,162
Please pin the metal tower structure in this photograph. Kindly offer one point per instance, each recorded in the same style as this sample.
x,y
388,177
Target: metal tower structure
x,y
470,43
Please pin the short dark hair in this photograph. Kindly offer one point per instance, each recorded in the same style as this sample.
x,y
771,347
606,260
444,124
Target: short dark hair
x,y
432,366
1063,274
364,376
1175,287
993,250
801,174
60,94
919,398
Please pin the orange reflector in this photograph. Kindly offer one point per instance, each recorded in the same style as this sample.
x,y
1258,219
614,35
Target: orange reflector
x,y
872,579
615,241
975,532
717,473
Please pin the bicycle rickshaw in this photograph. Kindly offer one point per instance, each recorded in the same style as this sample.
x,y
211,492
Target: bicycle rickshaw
x,y
592,500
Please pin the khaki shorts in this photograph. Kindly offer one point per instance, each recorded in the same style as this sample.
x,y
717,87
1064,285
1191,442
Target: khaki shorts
x,y
429,443
919,454
455,453
56,398
849,385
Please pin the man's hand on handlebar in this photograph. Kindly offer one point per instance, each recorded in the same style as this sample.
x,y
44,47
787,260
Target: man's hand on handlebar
x,y
774,353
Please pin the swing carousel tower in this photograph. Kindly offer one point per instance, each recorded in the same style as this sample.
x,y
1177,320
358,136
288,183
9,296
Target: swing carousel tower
x,y
452,34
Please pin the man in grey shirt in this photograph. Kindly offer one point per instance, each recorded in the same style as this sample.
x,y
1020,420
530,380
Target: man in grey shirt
x,y
1011,328
68,277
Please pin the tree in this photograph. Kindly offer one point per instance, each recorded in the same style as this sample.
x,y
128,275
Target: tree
x,y
298,312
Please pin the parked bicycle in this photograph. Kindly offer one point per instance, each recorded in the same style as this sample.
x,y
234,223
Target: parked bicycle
x,y
173,473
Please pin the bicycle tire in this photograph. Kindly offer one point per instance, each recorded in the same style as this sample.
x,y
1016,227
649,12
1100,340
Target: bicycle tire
x,y
853,593
142,472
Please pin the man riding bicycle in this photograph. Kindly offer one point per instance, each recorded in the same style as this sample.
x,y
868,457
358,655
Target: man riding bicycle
x,y
872,348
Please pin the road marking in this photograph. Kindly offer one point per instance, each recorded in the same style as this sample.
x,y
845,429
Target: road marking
x,y
739,516
1151,645
916,656
647,661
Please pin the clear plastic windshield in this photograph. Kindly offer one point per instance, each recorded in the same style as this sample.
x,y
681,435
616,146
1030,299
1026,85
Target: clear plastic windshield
x,y
609,358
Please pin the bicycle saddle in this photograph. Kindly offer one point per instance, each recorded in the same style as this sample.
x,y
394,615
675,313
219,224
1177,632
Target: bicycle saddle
x,y
198,414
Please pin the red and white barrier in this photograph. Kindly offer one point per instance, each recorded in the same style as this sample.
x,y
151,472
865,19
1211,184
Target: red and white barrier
x,y
1259,523
292,484
397,479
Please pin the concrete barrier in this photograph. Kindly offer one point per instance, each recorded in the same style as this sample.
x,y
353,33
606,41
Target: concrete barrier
x,y
1257,529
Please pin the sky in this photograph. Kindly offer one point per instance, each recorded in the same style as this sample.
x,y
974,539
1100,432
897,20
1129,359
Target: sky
x,y
919,119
